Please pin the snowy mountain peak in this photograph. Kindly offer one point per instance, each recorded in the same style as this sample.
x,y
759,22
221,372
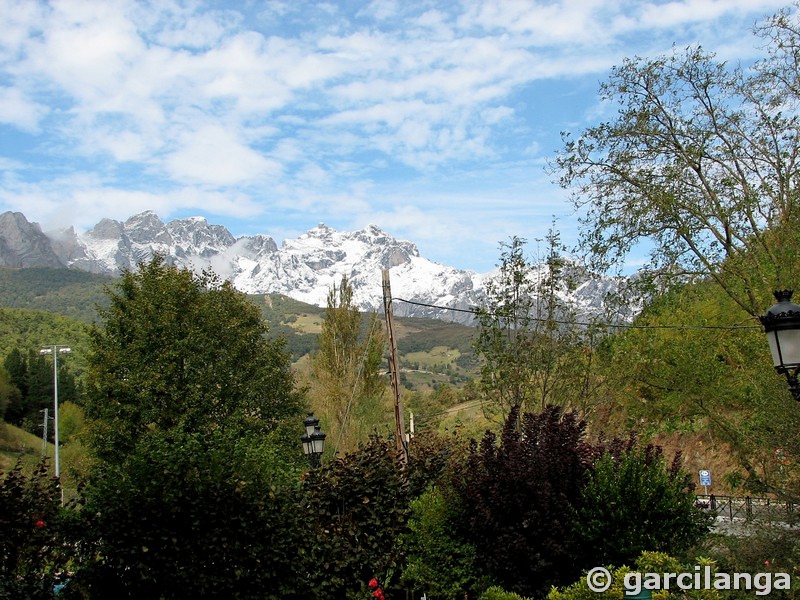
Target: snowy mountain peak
x,y
305,268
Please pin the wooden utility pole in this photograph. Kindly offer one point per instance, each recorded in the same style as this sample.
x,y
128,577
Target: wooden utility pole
x,y
400,429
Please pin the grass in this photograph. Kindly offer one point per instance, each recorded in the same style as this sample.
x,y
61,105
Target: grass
x,y
307,323
17,444
438,355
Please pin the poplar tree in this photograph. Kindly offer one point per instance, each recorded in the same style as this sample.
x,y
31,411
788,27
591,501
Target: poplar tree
x,y
347,382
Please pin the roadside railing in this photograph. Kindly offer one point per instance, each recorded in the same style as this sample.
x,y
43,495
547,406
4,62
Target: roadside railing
x,y
749,508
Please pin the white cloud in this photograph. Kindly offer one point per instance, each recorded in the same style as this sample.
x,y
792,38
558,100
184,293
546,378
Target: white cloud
x,y
81,201
214,155
235,108
19,111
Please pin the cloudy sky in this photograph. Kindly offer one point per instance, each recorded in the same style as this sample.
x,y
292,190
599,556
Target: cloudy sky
x,y
433,119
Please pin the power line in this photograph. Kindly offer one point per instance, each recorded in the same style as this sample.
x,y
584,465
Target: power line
x,y
475,312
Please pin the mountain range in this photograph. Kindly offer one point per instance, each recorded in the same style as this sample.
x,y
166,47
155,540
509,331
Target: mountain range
x,y
304,268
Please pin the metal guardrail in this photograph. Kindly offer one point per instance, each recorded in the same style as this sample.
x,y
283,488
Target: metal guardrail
x,y
749,508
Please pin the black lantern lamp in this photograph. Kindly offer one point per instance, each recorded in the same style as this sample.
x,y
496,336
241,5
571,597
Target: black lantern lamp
x,y
782,326
313,440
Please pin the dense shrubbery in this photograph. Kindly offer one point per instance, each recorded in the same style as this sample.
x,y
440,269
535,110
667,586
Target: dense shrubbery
x,y
633,501
534,508
520,495
32,549
229,516
188,515
196,488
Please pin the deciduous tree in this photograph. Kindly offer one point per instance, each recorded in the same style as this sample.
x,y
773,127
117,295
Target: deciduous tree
x,y
702,161
347,382
533,350
189,405
185,352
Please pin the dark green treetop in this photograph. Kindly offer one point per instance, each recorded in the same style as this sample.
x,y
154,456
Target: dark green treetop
x,y
184,352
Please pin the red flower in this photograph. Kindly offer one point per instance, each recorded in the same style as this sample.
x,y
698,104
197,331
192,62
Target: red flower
x,y
39,524
373,583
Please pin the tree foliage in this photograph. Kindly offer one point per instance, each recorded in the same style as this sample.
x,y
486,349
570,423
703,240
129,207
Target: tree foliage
x,y
191,514
541,503
192,492
31,376
9,394
32,548
701,160
634,502
520,494
29,330
347,383
178,351
533,352
690,366
358,506
439,560
69,292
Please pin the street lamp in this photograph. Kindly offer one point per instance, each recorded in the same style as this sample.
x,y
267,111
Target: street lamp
x,y
55,350
313,440
782,326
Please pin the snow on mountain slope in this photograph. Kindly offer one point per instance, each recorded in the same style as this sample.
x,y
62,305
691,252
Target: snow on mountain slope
x,y
305,268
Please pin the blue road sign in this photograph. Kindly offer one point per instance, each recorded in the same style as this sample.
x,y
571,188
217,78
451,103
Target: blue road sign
x,y
705,477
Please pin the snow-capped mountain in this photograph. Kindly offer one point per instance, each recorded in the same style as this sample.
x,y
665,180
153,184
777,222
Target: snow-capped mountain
x,y
305,268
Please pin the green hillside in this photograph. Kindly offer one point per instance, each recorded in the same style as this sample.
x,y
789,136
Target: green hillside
x,y
65,291
40,306
16,444
33,329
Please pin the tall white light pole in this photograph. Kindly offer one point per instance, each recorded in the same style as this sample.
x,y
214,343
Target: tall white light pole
x,y
55,350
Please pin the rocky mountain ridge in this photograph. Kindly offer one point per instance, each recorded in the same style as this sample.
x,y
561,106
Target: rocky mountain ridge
x,y
305,268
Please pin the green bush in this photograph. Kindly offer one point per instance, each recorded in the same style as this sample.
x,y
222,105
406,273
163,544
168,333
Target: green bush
x,y
634,502
497,593
31,542
356,511
439,561
647,562
189,515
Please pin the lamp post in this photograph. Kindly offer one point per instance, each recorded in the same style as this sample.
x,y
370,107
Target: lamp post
x,y
782,326
313,440
55,350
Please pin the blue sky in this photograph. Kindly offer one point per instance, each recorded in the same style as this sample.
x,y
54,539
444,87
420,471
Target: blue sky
x,y
432,119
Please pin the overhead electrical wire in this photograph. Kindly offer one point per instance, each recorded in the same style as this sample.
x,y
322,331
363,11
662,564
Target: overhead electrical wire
x,y
474,312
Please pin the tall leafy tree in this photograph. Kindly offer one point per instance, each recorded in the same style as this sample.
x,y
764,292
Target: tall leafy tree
x,y
533,351
679,371
16,369
175,350
32,377
9,394
192,490
702,161
347,382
